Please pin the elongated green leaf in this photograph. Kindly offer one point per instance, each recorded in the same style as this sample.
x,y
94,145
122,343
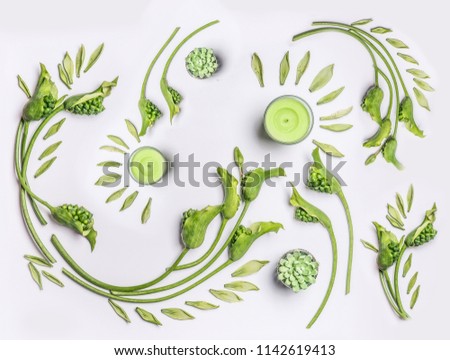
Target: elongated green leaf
x,y
331,96
257,68
421,99
114,164
395,223
177,314
408,58
361,22
106,180
226,295
337,127
94,57
407,265
412,282
35,275
418,73
380,30
50,150
322,78
392,211
54,129
338,114
400,205
414,297
132,130
148,316
129,201
369,246
284,68
118,141
302,67
80,60
423,85
116,195
69,67
37,260
242,286
63,76
112,149
119,311
147,211
397,43
44,167
250,268
23,86
52,278
202,305
410,197
328,149
238,158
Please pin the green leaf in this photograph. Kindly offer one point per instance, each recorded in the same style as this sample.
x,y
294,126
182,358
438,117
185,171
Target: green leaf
x,y
322,78
202,305
414,297
146,212
331,96
119,311
302,66
148,316
284,68
116,195
423,85
37,260
410,197
44,167
112,149
418,73
328,149
69,67
118,141
412,282
79,60
94,57
129,201
257,68
421,99
369,246
54,129
337,127
177,314
52,278
400,205
338,114
106,180
132,130
408,58
50,150
250,268
397,43
60,101
63,76
241,286
110,163
395,223
238,158
23,86
392,211
35,275
380,30
361,22
226,295
407,265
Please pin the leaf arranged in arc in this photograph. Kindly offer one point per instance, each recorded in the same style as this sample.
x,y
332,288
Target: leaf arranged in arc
x,y
44,167
112,149
393,212
397,43
421,99
116,195
412,282
407,265
338,114
119,310
284,68
79,60
94,57
69,67
322,78
177,314
38,260
257,68
361,22
106,180
146,212
110,163
369,246
328,149
410,197
414,297
331,96
148,316
249,268
395,223
35,274
118,141
408,58
129,201
242,286
63,76
302,67
52,278
54,129
132,130
337,127
202,305
23,86
418,73
226,295
400,204
50,150
423,85
380,30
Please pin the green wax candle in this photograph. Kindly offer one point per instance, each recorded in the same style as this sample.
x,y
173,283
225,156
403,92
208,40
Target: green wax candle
x,y
147,165
288,119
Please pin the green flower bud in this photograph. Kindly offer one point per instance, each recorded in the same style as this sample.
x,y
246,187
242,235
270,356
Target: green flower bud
x,y
253,181
425,232
232,199
195,223
176,96
307,212
302,215
406,115
371,158
382,133
149,114
244,237
388,150
318,180
297,270
388,249
372,103
78,219
202,63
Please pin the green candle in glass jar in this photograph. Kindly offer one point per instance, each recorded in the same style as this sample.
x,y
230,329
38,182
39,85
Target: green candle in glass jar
x,y
147,165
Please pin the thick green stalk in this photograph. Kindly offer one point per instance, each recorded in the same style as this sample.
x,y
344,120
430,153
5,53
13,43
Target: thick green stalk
x,y
389,284
396,283
391,93
388,295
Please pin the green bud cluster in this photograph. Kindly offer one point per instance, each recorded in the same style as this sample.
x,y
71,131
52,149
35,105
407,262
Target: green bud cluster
x,y
202,63
89,107
302,215
176,97
49,105
187,214
297,270
79,214
394,249
317,181
151,112
426,235
242,230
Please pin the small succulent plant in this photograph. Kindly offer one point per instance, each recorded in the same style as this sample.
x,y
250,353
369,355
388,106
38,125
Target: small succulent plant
x,y
202,63
297,270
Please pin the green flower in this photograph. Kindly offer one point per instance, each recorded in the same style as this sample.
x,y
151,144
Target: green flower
x,y
388,248
302,215
382,133
202,63
389,149
232,199
297,270
425,232
176,96
319,178
149,114
372,103
253,181
406,115
195,223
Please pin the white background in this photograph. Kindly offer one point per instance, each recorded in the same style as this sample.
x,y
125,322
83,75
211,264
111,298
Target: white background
x,y
218,114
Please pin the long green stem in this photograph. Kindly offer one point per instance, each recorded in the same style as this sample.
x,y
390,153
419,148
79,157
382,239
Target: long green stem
x,y
396,283
391,92
210,250
389,284
341,196
388,295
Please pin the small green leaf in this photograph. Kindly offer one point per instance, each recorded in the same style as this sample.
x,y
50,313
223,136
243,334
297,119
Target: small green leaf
x,y
423,85
226,295
119,311
132,130
107,180
414,297
397,43
407,265
80,60
250,268
392,211
118,141
68,67
369,246
35,275
302,67
371,159
337,127
44,167
52,278
54,129
412,282
242,286
238,158
112,149
328,149
361,22
400,205
394,223
50,150
37,260
257,68
202,305
380,30
338,114
408,58
110,163
146,212
410,197
331,96
284,68
116,195
94,57
23,86
322,78
177,314
129,201
63,76
421,99
148,316
418,73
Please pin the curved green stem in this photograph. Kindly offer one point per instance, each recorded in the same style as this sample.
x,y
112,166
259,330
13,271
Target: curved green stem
x,y
388,295
396,283
389,284
341,196
210,250
391,93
